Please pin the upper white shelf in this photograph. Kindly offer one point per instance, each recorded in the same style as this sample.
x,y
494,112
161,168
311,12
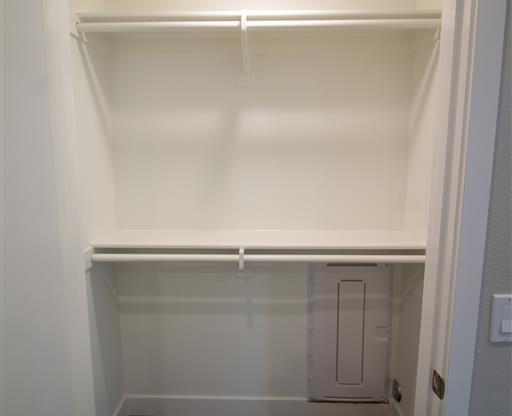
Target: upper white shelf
x,y
235,21
269,246
259,239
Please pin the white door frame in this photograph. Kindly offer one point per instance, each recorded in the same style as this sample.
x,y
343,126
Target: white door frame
x,y
470,67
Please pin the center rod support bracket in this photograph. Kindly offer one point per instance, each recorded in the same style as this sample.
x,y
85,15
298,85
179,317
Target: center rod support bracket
x,y
241,259
246,78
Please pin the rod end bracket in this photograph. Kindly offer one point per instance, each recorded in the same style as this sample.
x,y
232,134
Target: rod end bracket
x,y
88,258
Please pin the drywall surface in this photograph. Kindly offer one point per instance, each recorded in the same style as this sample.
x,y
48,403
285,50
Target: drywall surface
x,y
94,199
492,374
107,363
36,366
93,136
201,331
163,5
318,144
83,5
429,4
423,132
405,331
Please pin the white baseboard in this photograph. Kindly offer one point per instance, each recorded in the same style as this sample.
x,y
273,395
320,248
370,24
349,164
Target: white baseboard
x,y
171,405
121,409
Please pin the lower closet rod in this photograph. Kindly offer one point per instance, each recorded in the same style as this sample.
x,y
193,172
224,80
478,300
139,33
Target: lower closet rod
x,y
259,258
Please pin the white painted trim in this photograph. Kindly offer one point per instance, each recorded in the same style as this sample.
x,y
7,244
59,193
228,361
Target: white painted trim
x,y
461,184
438,236
121,409
165,405
481,110
462,17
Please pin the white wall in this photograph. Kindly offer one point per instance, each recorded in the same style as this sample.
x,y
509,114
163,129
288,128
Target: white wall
x,y
81,163
423,132
200,330
429,4
106,346
91,80
77,5
162,5
407,295
318,144
36,365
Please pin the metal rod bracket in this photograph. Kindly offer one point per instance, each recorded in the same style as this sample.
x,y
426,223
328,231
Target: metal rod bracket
x,y
246,78
88,263
241,259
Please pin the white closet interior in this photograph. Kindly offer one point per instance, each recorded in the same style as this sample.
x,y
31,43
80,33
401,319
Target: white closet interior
x,y
226,149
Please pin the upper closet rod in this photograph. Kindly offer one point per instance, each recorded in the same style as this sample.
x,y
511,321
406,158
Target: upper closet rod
x,y
267,24
155,26
260,15
258,20
363,23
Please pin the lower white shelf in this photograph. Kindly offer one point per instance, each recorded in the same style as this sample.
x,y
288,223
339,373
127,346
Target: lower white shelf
x,y
257,246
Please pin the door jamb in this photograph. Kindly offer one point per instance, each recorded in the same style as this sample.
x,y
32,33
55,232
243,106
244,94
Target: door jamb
x,y
470,68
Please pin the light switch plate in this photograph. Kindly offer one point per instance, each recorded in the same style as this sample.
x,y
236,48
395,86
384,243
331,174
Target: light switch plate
x,y
501,318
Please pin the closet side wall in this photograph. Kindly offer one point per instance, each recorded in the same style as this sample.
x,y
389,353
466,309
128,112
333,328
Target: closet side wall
x,y
423,132
406,317
105,328
89,56
37,361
